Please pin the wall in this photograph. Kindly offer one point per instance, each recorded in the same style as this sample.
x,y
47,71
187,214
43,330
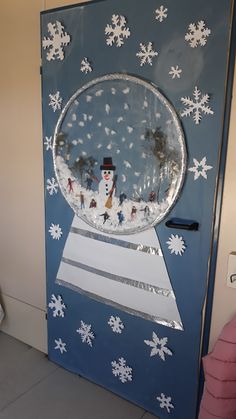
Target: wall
x,y
22,257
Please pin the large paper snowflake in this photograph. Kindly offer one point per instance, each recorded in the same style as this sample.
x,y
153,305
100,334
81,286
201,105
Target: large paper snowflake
x,y
117,31
197,34
55,101
57,305
55,43
200,168
55,231
85,66
158,346
87,336
176,244
165,402
116,324
52,186
48,143
121,370
196,106
146,53
60,345
161,13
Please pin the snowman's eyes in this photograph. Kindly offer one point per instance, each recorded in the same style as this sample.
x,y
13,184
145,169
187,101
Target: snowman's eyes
x,y
109,172
105,172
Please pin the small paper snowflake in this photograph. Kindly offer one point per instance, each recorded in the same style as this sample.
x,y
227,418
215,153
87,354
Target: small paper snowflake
x,y
146,54
60,345
196,105
117,31
116,324
175,72
55,101
57,305
158,346
197,34
86,66
55,231
200,168
52,186
85,333
55,43
121,370
48,143
161,13
165,402
176,244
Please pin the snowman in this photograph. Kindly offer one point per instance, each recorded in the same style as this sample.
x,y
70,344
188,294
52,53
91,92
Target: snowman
x,y
106,187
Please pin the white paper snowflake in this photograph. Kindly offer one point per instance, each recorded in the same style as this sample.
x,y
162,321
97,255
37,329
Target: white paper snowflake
x,y
57,305
85,66
85,333
175,72
55,101
52,186
60,345
165,402
55,231
197,34
55,43
121,370
146,54
161,13
117,31
176,244
196,106
158,346
48,143
200,168
116,324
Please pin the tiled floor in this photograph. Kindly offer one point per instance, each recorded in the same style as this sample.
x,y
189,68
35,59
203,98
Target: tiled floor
x,y
31,387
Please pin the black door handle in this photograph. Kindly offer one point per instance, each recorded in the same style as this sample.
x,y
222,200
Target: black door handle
x,y
182,224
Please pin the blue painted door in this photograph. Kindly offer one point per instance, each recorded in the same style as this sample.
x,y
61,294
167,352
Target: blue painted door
x,y
134,101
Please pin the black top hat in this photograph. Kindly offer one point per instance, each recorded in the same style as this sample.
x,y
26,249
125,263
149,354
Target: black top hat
x,y
107,164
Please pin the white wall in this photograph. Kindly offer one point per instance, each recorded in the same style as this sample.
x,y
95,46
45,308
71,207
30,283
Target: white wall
x,y
22,256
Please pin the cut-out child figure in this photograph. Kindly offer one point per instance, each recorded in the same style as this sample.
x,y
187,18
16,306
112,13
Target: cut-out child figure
x,y
81,195
105,216
106,187
120,217
70,185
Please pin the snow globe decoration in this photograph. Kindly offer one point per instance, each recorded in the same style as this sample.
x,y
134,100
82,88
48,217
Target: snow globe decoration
x,y
119,154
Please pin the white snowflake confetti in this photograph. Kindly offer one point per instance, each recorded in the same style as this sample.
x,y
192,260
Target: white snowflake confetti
x,y
74,117
89,98
117,31
123,178
107,109
57,305
60,345
109,147
118,151
197,34
99,146
116,324
120,119
99,93
57,40
87,336
52,186
55,101
48,143
126,107
113,90
175,72
85,66
113,132
145,103
146,54
107,130
126,91
200,168
121,370
55,231
137,174
130,129
158,346
70,125
127,164
196,105
165,402
176,244
161,13
131,145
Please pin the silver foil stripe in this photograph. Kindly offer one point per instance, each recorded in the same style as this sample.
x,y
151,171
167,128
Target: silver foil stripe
x,y
123,280
164,322
155,251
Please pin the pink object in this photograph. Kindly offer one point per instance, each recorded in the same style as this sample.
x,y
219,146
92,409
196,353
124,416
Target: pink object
x,y
219,397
